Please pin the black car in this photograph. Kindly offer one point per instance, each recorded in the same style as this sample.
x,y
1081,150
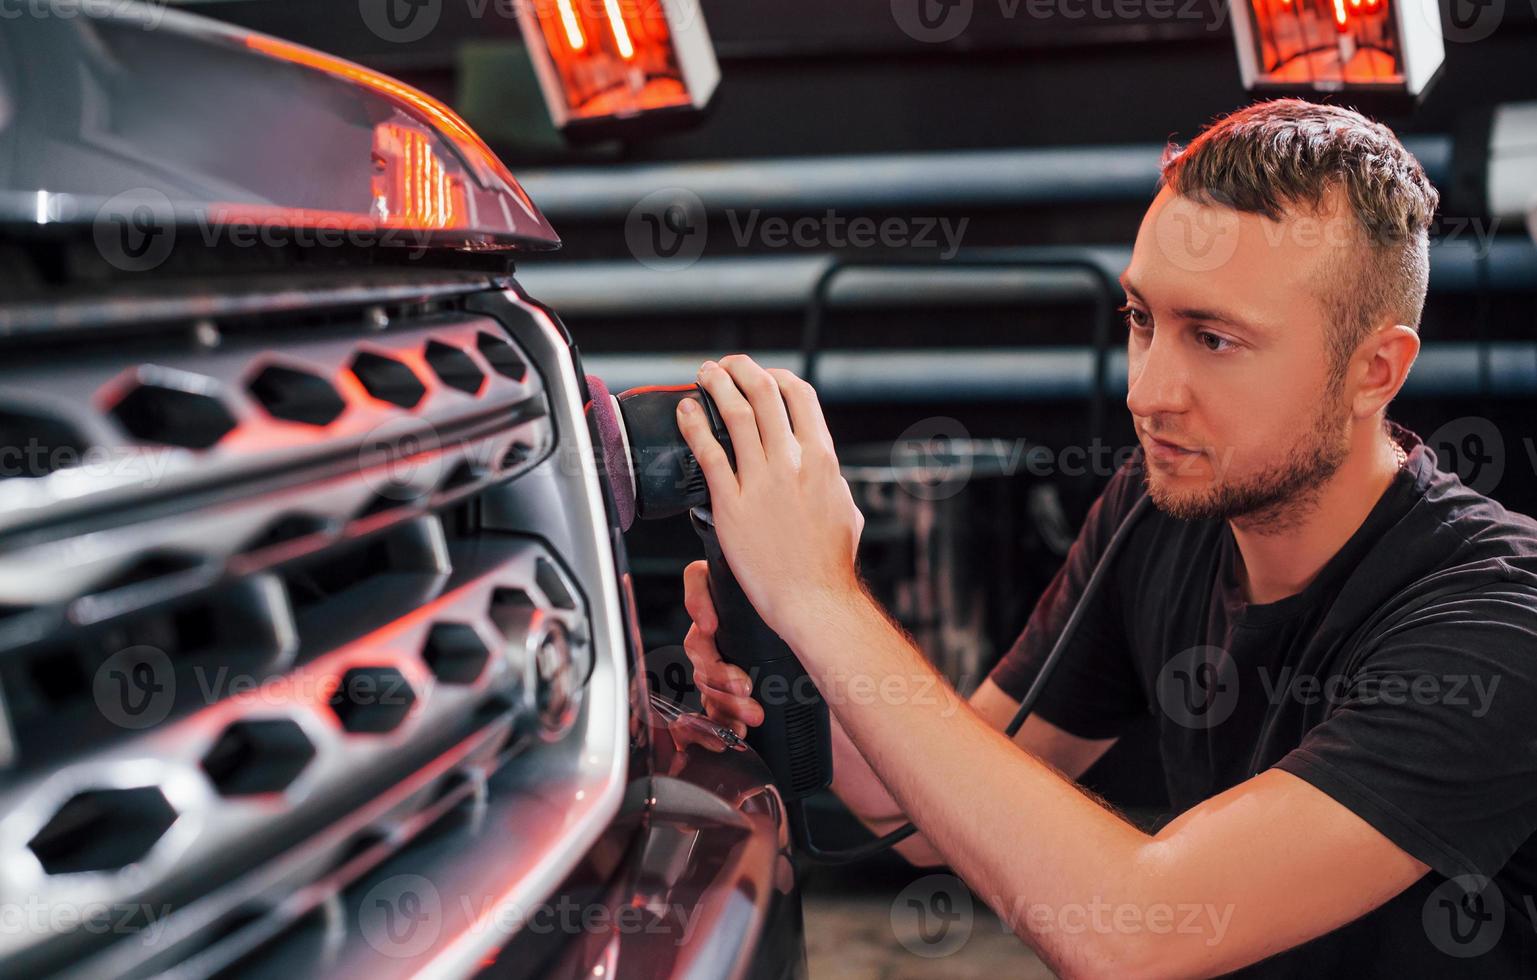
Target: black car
x,y
317,647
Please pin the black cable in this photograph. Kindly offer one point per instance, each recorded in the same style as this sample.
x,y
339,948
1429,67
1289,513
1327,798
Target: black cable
x,y
797,809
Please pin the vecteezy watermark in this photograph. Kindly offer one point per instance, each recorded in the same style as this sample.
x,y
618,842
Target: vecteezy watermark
x,y
143,466
1464,916
669,228
1097,916
1199,688
935,459
1196,236
411,459
1465,21
568,917
932,916
400,21
832,230
1203,235
404,915
1473,448
33,916
135,687
842,687
940,21
137,230
1479,452
401,916
147,12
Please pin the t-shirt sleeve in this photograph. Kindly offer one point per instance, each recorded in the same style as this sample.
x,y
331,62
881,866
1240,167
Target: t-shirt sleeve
x,y
1094,692
1434,741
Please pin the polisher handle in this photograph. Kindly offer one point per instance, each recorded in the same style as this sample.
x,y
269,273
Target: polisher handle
x,y
795,739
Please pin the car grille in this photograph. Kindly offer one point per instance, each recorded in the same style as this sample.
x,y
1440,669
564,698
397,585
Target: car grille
x,y
280,588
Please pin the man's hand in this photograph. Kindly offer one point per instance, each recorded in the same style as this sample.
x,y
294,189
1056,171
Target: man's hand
x,y
725,690
786,519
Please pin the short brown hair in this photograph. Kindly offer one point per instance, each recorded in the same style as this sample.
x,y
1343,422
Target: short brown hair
x,y
1275,157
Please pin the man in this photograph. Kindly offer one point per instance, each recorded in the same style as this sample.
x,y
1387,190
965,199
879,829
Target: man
x,y
1339,640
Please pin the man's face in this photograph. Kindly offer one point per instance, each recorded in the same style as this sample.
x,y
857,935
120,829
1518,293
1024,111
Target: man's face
x,y
1229,380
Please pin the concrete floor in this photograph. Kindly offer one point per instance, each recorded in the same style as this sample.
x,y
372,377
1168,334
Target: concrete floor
x,y
888,921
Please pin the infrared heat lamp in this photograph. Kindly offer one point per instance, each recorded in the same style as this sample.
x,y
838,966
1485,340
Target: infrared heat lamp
x,y
1385,46
612,64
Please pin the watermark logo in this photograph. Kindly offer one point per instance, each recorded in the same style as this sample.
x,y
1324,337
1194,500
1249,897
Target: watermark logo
x,y
1466,21
1194,236
1464,916
932,916
135,688
931,458
400,21
411,460
1198,688
667,229
1473,448
148,13
401,916
135,230
932,21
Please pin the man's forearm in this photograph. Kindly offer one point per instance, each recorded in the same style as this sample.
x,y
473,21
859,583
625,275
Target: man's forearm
x,y
856,784
1022,836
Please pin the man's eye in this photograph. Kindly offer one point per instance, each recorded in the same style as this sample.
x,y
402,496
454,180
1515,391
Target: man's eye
x,y
1135,318
1214,343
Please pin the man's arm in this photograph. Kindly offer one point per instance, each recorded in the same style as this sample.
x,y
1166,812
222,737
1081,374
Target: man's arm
x,y
1092,894
722,690
868,799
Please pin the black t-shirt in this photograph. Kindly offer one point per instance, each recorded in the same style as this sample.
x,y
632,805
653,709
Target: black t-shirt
x,y
1402,682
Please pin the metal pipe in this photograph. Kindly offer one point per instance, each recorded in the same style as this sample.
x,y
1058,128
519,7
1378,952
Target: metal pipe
x,y
1030,176
776,283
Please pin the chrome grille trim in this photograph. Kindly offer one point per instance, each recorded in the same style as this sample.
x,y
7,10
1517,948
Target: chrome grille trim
x,y
453,737
260,449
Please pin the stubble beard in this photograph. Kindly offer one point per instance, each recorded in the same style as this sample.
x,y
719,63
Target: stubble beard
x,y
1280,496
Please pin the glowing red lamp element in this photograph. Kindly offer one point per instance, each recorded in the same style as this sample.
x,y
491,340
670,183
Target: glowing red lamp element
x,y
1337,45
411,187
606,60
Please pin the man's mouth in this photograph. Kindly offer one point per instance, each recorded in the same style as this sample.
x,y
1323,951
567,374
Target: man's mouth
x,y
1163,449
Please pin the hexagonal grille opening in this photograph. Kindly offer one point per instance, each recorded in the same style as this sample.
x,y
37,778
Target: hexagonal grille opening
x,y
392,496
517,454
372,699
456,368
285,529
455,653
502,357
174,417
262,756
552,585
42,445
154,565
387,379
297,396
103,830
510,607
461,476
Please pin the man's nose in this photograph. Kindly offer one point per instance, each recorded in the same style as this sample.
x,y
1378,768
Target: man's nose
x,y
1157,382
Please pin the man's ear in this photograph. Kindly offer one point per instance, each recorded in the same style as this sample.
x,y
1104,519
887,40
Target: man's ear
x,y
1381,365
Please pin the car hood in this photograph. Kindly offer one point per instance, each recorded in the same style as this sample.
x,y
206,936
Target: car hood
x,y
128,112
